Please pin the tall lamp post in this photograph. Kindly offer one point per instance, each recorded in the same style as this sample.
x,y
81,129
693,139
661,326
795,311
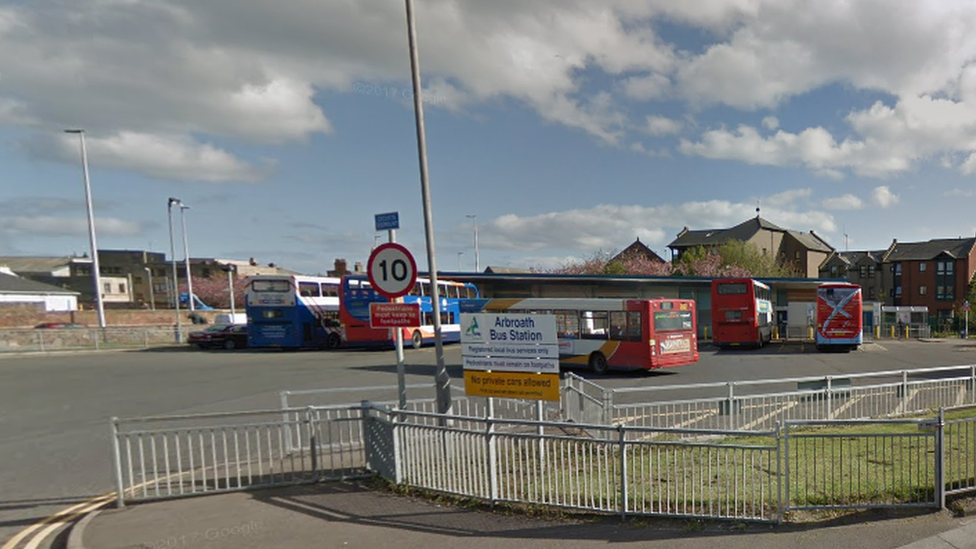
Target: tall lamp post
x,y
186,253
230,285
459,260
477,255
176,279
96,273
152,292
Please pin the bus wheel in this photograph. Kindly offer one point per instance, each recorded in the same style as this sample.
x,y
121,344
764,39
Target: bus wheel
x,y
417,340
598,363
333,341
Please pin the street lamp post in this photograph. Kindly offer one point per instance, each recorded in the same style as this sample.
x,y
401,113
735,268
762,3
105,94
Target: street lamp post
x,y
176,279
477,255
459,260
96,274
152,292
230,284
186,253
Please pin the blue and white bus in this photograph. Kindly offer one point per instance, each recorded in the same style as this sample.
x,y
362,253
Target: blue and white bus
x,y
356,293
293,311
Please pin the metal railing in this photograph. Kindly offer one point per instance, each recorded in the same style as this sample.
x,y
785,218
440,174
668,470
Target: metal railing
x,y
625,470
172,456
759,404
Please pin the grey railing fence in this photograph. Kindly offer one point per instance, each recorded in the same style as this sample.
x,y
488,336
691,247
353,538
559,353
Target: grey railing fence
x,y
46,340
505,453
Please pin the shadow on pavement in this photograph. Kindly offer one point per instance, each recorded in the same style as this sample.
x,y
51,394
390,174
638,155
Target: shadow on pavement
x,y
357,504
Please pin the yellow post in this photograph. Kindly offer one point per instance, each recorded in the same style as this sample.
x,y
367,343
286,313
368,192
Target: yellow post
x,y
877,332
906,332
776,332
892,332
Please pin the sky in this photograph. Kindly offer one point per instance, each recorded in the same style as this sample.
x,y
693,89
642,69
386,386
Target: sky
x,y
566,128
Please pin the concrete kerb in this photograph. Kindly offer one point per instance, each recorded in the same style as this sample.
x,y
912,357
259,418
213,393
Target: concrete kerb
x,y
76,535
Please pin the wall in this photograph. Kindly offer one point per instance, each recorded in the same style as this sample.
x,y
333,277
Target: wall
x,y
27,316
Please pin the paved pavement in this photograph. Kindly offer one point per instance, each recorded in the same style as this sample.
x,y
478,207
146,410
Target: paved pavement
x,y
348,516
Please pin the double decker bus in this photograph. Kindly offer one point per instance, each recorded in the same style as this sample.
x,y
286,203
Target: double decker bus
x,y
356,294
292,311
742,312
604,333
839,320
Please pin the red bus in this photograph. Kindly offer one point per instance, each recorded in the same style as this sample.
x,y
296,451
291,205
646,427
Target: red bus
x,y
839,321
615,333
742,312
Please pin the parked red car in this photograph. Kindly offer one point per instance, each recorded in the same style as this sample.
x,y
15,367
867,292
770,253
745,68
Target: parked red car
x,y
59,325
227,336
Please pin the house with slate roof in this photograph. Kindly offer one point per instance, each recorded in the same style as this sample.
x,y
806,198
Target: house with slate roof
x,y
14,289
637,250
803,251
862,268
935,273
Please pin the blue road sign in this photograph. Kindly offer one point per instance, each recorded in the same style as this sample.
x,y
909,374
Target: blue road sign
x,y
387,221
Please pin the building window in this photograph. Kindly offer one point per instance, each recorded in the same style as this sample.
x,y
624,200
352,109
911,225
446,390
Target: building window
x,y
863,271
796,254
122,288
871,293
922,267
107,287
945,279
871,270
897,291
922,290
833,270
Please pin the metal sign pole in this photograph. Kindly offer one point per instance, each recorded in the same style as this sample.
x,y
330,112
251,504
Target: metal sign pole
x,y
398,337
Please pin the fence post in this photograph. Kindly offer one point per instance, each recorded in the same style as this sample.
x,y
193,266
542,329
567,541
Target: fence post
x,y
117,464
830,398
492,455
312,428
283,398
904,391
731,405
607,406
397,450
940,460
785,477
972,378
622,441
779,474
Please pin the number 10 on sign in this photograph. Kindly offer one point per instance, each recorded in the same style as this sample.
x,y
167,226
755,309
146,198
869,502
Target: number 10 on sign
x,y
392,270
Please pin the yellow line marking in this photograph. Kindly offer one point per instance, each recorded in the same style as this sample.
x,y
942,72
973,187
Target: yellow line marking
x,y
70,510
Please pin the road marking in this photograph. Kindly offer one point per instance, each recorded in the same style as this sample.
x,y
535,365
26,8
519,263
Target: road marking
x,y
101,500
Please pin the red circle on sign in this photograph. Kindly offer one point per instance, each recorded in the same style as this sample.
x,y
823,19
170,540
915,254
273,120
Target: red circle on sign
x,y
392,270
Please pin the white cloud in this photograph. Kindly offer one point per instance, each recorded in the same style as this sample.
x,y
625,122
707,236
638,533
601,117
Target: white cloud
x,y
611,226
661,125
844,202
50,226
770,122
166,157
883,197
968,167
964,193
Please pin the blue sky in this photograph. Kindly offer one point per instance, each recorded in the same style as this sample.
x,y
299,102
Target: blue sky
x,y
567,127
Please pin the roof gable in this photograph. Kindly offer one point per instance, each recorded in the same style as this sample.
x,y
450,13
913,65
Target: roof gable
x,y
10,284
956,248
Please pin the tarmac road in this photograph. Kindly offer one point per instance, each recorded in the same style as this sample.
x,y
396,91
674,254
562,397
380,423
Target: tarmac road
x,y
55,409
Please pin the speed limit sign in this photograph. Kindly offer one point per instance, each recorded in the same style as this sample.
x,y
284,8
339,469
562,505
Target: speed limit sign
x,y
392,270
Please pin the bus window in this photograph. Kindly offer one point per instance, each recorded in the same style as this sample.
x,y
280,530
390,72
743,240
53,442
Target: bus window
x,y
593,325
425,289
567,324
330,290
634,321
416,289
271,286
309,289
618,325
672,320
